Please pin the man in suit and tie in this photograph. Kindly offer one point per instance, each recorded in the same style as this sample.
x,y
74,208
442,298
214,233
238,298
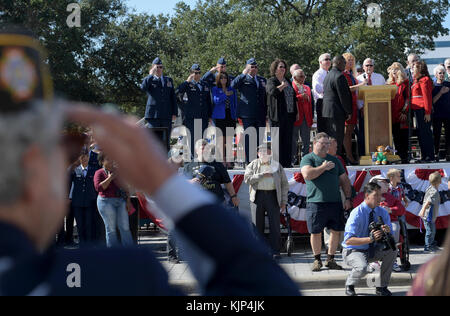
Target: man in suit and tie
x,y
161,109
337,101
252,105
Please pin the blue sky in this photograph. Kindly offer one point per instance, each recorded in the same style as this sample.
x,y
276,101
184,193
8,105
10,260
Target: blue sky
x,y
166,7
156,6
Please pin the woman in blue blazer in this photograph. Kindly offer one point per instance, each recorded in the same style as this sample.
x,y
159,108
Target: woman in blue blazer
x,y
224,110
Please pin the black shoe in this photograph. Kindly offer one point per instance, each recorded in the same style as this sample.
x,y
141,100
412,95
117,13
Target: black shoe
x,y
350,290
383,291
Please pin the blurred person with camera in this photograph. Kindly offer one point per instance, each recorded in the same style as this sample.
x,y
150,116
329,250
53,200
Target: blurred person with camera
x,y
112,203
268,187
209,173
363,241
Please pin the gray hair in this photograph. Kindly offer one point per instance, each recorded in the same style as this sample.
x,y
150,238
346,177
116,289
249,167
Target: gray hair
x,y
437,68
297,72
39,126
447,61
323,56
369,59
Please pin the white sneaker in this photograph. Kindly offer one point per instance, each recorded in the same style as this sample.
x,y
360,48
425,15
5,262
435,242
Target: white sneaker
x,y
373,266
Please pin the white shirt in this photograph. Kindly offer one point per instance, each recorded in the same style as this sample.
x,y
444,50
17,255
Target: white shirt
x,y
317,83
377,80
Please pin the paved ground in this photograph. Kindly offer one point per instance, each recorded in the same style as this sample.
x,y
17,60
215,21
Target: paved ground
x,y
298,266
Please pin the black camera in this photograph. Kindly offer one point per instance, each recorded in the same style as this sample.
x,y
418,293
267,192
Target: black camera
x,y
386,239
205,174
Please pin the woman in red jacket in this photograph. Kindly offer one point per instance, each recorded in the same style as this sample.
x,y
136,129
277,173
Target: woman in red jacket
x,y
421,104
304,118
399,109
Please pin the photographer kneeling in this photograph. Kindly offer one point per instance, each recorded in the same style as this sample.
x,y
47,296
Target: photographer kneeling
x,y
367,238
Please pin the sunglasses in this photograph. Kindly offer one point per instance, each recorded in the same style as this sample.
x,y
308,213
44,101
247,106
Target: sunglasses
x,y
197,72
327,59
254,67
160,67
368,65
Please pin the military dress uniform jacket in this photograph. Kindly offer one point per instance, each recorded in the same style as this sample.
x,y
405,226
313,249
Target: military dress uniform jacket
x,y
223,255
198,104
253,100
83,194
161,101
209,78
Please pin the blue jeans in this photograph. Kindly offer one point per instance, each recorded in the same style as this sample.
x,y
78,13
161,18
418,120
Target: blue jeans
x,y
114,214
430,228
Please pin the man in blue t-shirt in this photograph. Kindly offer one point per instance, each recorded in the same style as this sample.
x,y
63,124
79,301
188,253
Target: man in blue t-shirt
x,y
360,245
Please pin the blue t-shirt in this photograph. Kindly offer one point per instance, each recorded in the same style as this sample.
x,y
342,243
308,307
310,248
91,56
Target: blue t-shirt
x,y
441,109
358,224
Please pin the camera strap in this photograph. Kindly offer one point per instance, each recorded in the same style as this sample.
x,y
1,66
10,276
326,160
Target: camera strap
x,y
371,252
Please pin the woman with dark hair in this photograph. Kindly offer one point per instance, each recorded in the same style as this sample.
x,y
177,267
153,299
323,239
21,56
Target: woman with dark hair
x,y
421,104
112,204
282,108
224,111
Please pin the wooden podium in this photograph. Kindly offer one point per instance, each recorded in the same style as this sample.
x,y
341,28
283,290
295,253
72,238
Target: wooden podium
x,y
377,119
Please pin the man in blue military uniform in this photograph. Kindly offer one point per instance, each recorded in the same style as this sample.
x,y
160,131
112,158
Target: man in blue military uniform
x,y
252,106
210,77
195,103
161,109
84,199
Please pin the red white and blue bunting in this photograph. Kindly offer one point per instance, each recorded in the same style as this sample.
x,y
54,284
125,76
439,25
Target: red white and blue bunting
x,y
414,180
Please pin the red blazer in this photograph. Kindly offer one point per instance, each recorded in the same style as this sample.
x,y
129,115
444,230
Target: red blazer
x,y
304,106
399,100
421,95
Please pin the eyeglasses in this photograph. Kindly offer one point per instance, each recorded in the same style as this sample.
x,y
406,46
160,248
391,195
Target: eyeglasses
x,y
325,143
254,67
368,65
327,59
448,67
441,73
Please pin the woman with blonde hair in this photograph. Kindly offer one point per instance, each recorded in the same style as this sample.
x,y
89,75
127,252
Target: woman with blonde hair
x,y
399,109
350,73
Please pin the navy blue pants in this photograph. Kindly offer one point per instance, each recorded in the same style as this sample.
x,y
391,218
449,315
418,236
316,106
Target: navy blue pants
x,y
425,134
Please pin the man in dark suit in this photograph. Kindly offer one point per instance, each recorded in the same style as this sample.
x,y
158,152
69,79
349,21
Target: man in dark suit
x,y
337,101
161,109
252,105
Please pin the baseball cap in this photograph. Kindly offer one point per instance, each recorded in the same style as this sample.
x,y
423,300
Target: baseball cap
x,y
377,178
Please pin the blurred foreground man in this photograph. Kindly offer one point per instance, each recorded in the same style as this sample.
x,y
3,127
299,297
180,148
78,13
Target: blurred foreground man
x,y
222,254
